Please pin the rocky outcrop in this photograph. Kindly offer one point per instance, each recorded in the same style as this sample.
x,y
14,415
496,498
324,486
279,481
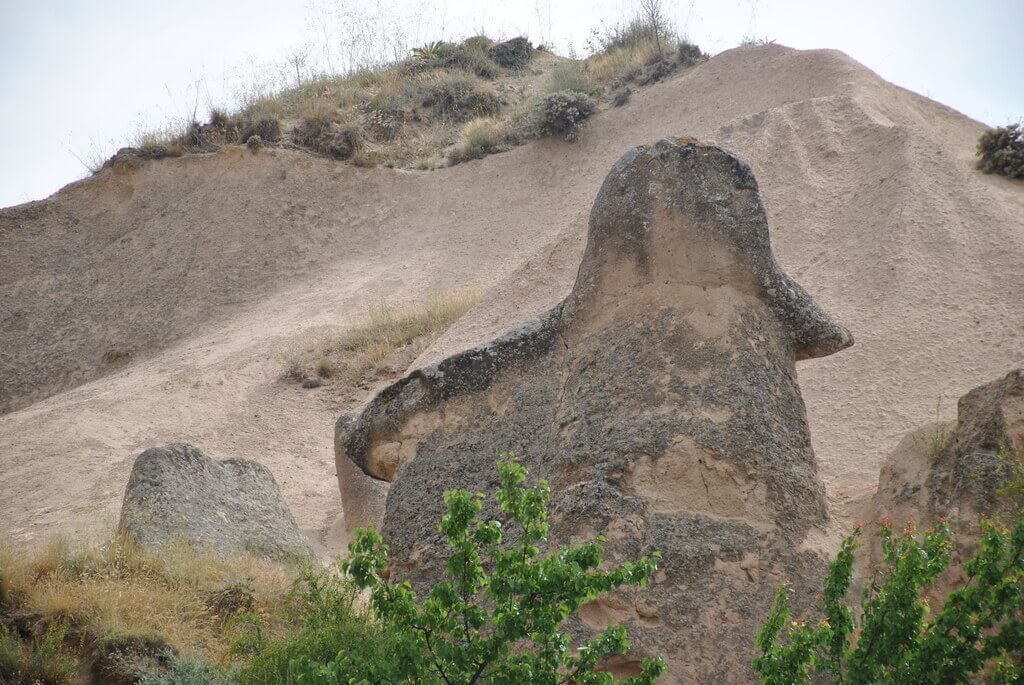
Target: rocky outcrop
x,y
177,492
965,471
660,401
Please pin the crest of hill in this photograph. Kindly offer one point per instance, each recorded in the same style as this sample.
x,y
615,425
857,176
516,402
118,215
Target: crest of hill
x,y
202,265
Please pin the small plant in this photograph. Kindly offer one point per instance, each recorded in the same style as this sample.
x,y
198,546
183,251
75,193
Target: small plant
x,y
480,137
323,134
1013,487
687,53
561,114
497,616
457,98
938,442
268,130
896,639
1001,151
40,660
254,143
621,96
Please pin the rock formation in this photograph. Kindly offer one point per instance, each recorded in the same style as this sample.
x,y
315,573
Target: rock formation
x,y
660,401
962,472
177,492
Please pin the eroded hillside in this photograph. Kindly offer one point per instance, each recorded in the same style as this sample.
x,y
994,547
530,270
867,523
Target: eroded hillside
x,y
181,280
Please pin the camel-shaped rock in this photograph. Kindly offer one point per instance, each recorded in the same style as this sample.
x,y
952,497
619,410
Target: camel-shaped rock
x,y
659,400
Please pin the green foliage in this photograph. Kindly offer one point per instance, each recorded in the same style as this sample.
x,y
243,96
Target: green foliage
x,y
896,639
254,143
561,113
11,660
329,625
497,616
1012,490
182,671
41,660
1001,151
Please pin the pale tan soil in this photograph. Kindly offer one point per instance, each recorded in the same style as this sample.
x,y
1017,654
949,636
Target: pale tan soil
x,y
204,267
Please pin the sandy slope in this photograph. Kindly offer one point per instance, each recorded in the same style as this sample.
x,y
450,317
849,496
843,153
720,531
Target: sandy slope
x,y
203,268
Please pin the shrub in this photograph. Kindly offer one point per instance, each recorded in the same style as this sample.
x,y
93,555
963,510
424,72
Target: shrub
x,y
328,137
42,660
480,137
458,98
122,657
687,53
1001,151
502,626
981,625
471,56
254,143
567,76
561,114
330,624
621,96
268,130
181,671
511,54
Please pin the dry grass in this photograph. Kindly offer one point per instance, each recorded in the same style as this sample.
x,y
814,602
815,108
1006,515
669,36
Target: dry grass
x,y
387,340
119,588
621,64
408,112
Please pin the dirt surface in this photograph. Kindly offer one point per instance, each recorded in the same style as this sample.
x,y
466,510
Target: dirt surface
x,y
147,306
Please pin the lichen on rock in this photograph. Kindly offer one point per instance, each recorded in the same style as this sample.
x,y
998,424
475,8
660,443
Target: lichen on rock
x,y
232,506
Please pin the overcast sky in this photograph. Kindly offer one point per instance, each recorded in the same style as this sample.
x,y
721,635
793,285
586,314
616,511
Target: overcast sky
x,y
80,78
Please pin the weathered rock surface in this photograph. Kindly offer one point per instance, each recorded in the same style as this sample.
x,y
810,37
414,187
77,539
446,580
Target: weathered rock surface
x,y
958,471
177,492
660,401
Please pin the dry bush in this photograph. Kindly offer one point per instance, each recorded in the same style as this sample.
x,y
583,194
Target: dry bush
x,y
119,588
562,113
511,54
388,338
569,75
480,137
323,134
457,97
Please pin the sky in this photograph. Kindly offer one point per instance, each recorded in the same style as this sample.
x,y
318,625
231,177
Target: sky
x,y
81,78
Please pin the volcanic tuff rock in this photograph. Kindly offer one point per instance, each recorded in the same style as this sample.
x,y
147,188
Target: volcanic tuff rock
x,y
959,471
660,401
177,492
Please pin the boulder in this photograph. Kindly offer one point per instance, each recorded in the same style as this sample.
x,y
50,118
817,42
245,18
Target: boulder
x,y
178,493
660,401
963,471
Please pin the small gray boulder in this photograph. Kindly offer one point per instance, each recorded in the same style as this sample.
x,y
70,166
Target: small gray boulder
x,y
176,492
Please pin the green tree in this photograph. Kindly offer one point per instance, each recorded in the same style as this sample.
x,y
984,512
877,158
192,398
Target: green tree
x,y
896,639
497,617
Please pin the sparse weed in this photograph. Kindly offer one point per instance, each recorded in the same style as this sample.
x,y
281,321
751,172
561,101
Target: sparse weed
x,y
480,137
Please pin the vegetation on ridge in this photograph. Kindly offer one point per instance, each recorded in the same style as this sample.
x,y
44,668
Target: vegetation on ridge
x,y
442,103
1001,151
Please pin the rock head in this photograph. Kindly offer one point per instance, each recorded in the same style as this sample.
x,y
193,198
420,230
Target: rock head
x,y
178,493
659,400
